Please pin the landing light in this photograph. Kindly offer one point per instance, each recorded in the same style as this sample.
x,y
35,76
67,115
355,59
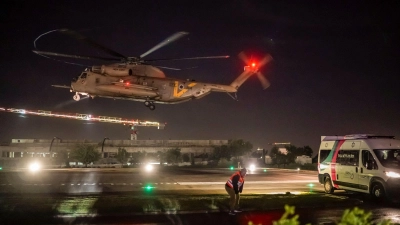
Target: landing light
x,y
34,167
149,168
252,167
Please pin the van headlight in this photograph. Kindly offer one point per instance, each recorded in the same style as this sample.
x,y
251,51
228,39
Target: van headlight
x,y
393,174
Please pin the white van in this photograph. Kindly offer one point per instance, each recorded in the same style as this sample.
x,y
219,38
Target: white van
x,y
360,162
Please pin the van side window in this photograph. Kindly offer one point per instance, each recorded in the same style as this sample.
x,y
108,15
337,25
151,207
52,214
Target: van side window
x,y
348,157
323,154
368,160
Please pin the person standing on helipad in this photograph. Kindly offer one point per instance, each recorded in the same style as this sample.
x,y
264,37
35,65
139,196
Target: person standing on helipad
x,y
234,186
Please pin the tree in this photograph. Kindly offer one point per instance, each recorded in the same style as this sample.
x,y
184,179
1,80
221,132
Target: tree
x,y
239,147
173,155
292,153
186,157
222,152
85,153
162,156
308,151
235,148
62,158
137,157
277,156
122,155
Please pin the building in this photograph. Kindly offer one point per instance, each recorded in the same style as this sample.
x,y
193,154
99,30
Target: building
x,y
304,159
19,152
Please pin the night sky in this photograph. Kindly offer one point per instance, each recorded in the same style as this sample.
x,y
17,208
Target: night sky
x,y
335,68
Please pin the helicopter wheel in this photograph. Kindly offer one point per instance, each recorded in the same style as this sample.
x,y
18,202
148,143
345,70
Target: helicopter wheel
x,y
76,97
152,107
147,103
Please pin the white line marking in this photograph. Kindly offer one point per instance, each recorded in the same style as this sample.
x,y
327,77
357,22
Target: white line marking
x,y
251,182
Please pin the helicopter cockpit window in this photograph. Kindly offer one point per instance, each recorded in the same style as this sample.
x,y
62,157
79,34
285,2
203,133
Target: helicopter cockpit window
x,y
75,78
83,75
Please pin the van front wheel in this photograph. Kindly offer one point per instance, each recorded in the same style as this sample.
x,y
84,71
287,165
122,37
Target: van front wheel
x,y
378,192
328,186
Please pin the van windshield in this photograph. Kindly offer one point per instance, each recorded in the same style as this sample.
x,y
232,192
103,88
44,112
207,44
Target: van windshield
x,y
389,158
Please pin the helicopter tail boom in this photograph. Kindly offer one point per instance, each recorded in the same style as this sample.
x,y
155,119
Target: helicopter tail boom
x,y
240,79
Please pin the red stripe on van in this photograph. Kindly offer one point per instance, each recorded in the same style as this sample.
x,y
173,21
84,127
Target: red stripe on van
x,y
333,164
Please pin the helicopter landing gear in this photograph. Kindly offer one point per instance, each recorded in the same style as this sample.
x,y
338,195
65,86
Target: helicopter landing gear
x,y
76,97
150,105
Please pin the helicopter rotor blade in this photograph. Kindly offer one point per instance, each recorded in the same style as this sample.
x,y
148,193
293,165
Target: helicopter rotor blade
x,y
190,58
244,57
43,53
89,41
268,58
264,82
168,68
170,39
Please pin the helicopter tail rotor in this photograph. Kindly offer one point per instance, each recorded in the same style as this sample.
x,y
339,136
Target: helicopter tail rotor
x,y
253,66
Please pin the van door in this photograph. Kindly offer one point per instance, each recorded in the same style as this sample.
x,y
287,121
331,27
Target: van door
x,y
366,173
347,168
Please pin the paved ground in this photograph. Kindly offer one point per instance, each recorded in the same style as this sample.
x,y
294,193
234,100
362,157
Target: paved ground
x,y
69,190
202,181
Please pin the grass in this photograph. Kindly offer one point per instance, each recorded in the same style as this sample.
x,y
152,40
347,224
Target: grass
x,y
146,203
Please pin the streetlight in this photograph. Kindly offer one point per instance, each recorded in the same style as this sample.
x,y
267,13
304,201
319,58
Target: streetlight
x,y
102,146
51,144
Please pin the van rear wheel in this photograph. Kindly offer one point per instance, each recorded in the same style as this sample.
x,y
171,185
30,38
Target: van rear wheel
x,y
328,186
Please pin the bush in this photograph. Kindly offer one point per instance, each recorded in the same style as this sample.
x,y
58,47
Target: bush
x,y
355,216
224,163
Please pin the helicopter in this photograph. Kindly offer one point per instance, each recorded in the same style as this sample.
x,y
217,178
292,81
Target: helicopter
x,y
133,78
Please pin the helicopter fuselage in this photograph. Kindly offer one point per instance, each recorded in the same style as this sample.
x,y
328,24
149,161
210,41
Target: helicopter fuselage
x,y
143,88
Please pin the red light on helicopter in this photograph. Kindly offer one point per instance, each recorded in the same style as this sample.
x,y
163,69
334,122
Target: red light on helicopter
x,y
127,83
253,64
